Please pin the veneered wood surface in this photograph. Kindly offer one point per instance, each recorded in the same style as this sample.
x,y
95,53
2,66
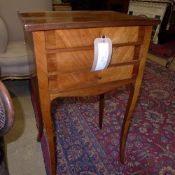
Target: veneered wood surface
x,y
44,96
63,43
85,37
70,58
39,21
92,90
83,59
134,90
84,79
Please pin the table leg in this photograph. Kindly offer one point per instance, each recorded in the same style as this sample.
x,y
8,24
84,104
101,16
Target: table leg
x,y
36,107
51,141
101,110
127,120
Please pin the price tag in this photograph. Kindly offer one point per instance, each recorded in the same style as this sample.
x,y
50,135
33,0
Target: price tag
x,y
102,53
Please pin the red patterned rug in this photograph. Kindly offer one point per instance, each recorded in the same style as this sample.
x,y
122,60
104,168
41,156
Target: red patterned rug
x,y
84,149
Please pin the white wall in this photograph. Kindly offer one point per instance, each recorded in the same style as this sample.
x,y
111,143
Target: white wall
x,y
8,11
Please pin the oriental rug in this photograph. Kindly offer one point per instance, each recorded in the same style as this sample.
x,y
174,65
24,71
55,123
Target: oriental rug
x,y
84,149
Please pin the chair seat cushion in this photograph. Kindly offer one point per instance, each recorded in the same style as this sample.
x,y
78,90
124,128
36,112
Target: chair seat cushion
x,y
17,60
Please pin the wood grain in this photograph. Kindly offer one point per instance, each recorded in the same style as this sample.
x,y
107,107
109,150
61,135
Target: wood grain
x,y
68,72
134,91
87,78
41,66
63,44
83,59
50,20
85,37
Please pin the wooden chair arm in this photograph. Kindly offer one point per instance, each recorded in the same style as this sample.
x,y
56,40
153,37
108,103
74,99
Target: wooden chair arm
x,y
8,108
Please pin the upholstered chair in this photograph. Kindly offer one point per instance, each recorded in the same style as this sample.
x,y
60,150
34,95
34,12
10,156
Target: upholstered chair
x,y
16,60
6,122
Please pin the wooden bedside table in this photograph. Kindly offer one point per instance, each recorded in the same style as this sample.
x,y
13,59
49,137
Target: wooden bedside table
x,y
63,47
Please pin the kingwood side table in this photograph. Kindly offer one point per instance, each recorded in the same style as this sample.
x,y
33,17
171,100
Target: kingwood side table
x,y
63,48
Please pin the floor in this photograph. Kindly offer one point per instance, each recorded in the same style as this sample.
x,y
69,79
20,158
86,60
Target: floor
x,y
24,152
161,61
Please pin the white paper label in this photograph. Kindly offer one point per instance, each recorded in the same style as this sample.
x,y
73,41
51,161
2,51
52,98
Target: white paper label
x,y
102,53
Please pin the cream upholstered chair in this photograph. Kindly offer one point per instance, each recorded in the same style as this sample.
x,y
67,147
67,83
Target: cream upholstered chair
x,y
16,60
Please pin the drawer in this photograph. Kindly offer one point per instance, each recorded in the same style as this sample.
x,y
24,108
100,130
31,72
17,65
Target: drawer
x,y
71,38
72,61
76,80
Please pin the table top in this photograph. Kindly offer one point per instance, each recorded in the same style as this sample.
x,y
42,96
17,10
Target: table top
x,y
49,20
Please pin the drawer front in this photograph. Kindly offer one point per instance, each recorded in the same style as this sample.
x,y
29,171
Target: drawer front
x,y
70,57
73,61
71,38
82,79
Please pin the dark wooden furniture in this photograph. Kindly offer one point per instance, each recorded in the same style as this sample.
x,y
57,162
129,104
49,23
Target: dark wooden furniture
x,y
61,7
115,5
6,122
88,4
118,5
63,47
167,30
163,10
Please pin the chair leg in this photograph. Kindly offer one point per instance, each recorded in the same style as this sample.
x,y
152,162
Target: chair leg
x,y
169,62
101,110
3,160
